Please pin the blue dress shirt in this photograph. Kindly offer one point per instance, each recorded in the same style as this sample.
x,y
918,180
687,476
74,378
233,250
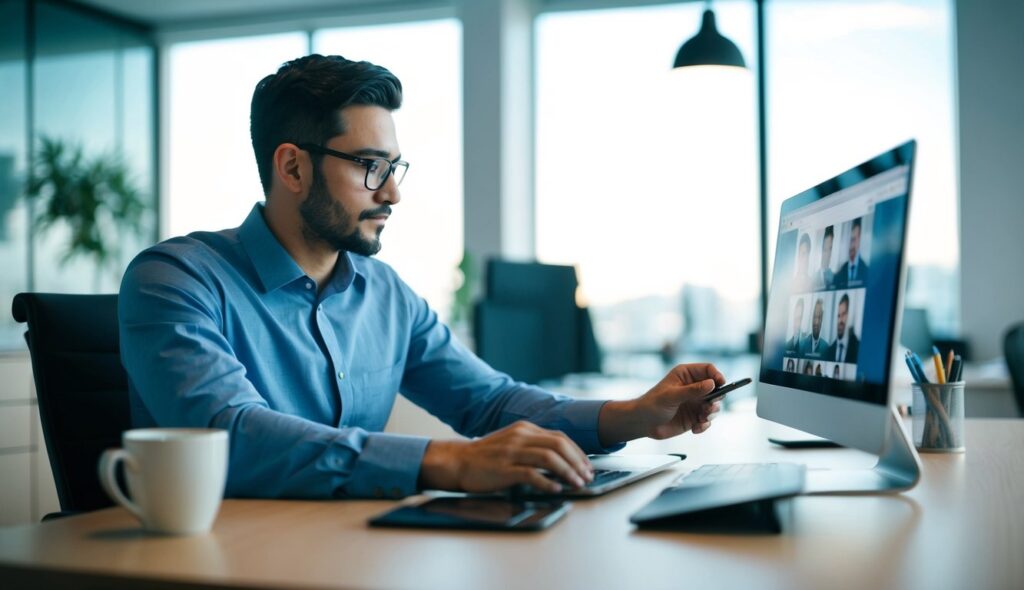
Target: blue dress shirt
x,y
224,330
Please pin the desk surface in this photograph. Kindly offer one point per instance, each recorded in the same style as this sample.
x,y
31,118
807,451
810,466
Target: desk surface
x,y
962,527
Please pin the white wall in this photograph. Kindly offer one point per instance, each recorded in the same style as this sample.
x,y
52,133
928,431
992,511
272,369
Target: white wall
x,y
990,72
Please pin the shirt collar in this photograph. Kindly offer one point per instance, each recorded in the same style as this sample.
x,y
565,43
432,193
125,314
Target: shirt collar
x,y
272,262
275,266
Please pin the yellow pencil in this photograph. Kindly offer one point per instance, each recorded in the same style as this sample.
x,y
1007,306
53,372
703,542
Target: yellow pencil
x,y
940,374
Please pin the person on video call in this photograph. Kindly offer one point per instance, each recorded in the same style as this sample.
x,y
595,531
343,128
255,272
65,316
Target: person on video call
x,y
288,334
814,345
835,372
793,344
824,277
790,366
844,349
854,271
802,277
808,368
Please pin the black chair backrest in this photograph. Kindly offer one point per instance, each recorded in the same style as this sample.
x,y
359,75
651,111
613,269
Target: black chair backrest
x,y
529,325
81,387
1013,348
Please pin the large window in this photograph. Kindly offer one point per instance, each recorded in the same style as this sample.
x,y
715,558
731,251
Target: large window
x,y
213,177
647,177
213,182
423,239
849,80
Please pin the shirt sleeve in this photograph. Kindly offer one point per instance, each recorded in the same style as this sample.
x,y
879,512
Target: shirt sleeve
x,y
182,368
443,377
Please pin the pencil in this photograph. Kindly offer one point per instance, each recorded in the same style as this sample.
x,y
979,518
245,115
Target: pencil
x,y
940,373
949,366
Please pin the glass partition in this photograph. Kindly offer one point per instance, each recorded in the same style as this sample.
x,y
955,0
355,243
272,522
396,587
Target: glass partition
x,y
13,166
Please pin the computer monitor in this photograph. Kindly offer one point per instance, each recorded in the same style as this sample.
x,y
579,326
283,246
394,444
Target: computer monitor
x,y
832,321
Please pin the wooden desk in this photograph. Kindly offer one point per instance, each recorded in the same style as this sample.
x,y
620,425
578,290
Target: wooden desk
x,y
962,527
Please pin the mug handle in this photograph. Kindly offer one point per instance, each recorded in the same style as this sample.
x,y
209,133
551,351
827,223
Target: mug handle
x,y
108,478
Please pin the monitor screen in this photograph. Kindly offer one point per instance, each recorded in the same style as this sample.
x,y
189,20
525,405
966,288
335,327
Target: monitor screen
x,y
836,280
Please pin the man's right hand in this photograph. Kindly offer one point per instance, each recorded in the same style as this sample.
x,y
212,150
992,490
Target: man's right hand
x,y
513,455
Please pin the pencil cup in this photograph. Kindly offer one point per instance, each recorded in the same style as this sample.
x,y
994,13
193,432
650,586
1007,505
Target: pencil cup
x,y
938,413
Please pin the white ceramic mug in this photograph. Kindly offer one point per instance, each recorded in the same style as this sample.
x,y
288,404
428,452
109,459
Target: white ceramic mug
x,y
175,476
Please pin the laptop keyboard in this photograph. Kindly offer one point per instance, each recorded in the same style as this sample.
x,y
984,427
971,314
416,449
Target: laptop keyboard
x,y
716,473
603,476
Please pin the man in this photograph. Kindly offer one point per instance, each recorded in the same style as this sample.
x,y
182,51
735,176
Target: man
x,y
802,277
853,272
793,344
844,349
814,345
287,334
824,278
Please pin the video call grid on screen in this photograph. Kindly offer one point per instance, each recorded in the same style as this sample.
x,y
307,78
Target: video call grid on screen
x,y
823,282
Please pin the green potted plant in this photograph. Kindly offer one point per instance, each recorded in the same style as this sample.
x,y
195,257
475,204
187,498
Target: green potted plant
x,y
93,197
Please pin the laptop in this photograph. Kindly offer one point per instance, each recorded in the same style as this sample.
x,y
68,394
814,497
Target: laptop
x,y
611,472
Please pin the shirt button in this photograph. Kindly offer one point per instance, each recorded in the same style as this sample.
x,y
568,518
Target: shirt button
x,y
341,374
320,308
309,285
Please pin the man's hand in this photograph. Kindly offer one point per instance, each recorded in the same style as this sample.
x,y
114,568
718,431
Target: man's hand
x,y
513,455
671,407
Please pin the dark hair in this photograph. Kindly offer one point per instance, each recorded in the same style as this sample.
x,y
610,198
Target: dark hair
x,y
856,224
829,233
300,103
845,299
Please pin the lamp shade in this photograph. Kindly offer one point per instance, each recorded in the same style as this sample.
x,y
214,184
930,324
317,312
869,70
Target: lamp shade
x,y
709,48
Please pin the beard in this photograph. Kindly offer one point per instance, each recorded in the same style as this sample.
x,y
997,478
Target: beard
x,y
326,220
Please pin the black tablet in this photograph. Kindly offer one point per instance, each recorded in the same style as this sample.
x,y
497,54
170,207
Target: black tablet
x,y
475,513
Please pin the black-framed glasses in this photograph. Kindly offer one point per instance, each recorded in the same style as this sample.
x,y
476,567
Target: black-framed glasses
x,y
377,169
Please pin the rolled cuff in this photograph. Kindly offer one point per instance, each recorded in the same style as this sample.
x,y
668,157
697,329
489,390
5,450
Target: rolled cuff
x,y
388,466
581,423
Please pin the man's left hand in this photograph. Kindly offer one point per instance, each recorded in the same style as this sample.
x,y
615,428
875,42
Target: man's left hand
x,y
672,407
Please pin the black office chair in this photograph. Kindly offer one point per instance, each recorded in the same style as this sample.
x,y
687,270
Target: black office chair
x,y
1013,348
529,325
81,388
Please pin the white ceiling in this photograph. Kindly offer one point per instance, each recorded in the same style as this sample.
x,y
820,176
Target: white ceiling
x,y
160,13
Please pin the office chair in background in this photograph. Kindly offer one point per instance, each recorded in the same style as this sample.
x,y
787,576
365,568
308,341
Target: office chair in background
x,y
1013,348
529,325
81,388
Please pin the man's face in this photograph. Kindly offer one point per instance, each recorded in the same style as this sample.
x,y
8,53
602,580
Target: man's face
x,y
819,314
803,255
339,209
854,242
826,251
841,319
798,316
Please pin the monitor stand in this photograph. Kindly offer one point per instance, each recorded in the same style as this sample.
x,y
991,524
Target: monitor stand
x,y
898,468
